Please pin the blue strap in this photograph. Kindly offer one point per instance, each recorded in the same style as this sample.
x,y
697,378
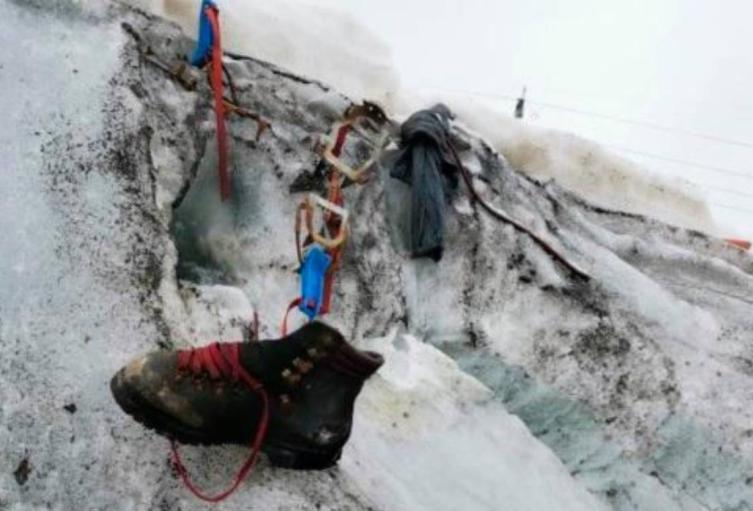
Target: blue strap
x,y
203,48
316,261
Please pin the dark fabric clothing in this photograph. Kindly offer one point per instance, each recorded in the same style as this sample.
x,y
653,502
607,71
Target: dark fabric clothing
x,y
423,163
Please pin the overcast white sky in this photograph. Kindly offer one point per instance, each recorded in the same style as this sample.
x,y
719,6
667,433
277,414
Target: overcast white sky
x,y
683,64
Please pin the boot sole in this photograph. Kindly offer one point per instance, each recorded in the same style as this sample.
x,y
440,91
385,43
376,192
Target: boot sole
x,y
279,454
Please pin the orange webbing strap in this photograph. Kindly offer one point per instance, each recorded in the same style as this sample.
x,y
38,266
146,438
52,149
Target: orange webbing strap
x,y
333,223
219,106
741,244
284,328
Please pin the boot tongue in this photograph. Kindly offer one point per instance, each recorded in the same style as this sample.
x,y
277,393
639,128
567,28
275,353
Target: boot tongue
x,y
354,362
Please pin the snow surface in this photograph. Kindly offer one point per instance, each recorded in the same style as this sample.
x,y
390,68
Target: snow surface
x,y
428,436
300,35
508,383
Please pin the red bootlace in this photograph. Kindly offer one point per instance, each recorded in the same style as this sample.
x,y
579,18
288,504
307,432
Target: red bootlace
x,y
222,361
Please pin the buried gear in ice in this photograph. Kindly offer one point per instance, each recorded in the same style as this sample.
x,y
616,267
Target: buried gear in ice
x,y
297,393
423,163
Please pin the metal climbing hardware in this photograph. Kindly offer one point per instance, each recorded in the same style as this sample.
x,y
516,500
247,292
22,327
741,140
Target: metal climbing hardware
x,y
305,214
178,71
334,222
332,211
318,258
373,117
337,139
317,279
316,261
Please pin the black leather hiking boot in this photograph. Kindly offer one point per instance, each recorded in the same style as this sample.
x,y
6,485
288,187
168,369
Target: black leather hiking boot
x,y
301,389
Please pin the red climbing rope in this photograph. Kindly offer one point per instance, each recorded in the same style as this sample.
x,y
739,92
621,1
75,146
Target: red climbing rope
x,y
222,361
342,134
284,328
219,106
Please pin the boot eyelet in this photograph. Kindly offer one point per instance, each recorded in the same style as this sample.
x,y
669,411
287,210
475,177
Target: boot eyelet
x,y
286,404
290,377
303,366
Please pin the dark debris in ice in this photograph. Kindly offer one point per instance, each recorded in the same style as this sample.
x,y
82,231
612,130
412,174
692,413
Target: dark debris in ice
x,y
23,471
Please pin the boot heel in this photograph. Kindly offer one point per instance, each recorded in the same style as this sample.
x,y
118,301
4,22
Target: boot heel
x,y
300,460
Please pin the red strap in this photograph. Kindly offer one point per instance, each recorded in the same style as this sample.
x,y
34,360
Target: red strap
x,y
342,134
743,244
219,109
333,222
284,328
329,280
329,284
230,358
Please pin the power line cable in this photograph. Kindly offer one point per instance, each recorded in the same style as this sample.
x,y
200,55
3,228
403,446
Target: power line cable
x,y
644,153
724,190
735,208
636,122
648,124
655,156
647,154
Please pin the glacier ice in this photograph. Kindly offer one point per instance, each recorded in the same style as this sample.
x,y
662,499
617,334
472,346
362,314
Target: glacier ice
x,y
507,384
